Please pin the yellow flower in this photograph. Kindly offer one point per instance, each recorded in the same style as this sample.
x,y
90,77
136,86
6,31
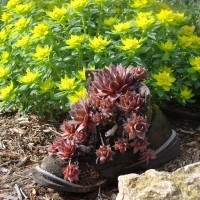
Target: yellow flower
x,y
164,79
98,44
131,44
23,41
168,46
187,30
191,41
122,27
3,71
46,86
81,74
12,3
6,92
21,23
23,8
195,62
42,53
109,21
141,3
168,17
57,13
80,93
75,41
4,57
144,20
66,83
40,31
78,5
3,35
6,16
9,28
30,77
186,93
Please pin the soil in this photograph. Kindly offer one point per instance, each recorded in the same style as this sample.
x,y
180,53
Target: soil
x,y
24,141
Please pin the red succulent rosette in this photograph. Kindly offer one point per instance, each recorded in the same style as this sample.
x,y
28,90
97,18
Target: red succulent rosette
x,y
136,127
121,145
112,81
139,145
104,153
139,72
71,173
68,129
66,149
81,117
56,143
130,101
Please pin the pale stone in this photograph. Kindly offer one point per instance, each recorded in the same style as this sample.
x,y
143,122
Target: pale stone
x,y
183,184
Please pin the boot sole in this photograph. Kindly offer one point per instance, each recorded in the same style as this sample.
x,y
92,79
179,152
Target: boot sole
x,y
167,152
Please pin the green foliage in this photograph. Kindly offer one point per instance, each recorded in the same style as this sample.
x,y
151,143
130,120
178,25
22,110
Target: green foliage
x,y
47,45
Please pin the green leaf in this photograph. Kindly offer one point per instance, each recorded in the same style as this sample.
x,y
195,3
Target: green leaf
x,y
67,58
57,29
64,48
152,35
61,65
160,92
59,95
194,77
137,60
2,104
96,58
23,87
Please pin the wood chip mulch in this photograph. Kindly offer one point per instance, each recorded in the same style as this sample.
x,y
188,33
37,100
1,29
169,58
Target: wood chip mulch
x,y
24,141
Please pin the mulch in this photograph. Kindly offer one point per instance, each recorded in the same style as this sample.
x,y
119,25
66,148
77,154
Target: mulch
x,y
24,141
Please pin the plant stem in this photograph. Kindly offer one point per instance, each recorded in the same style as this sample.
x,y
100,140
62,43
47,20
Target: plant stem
x,y
83,22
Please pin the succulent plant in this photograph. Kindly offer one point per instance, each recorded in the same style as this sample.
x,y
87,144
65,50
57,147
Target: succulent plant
x,y
139,73
67,128
112,81
121,145
80,116
139,145
63,148
71,173
136,127
104,153
109,122
130,102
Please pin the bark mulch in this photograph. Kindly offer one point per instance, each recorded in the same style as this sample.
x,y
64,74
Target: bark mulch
x,y
24,141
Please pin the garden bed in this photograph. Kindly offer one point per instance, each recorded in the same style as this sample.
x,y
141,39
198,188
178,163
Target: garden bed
x,y
24,142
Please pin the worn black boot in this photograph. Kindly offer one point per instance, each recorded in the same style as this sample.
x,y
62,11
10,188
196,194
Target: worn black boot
x,y
161,138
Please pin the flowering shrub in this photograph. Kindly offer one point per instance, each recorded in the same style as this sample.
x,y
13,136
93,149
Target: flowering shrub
x,y
114,98
47,46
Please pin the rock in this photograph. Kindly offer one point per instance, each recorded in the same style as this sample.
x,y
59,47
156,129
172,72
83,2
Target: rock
x,y
183,183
